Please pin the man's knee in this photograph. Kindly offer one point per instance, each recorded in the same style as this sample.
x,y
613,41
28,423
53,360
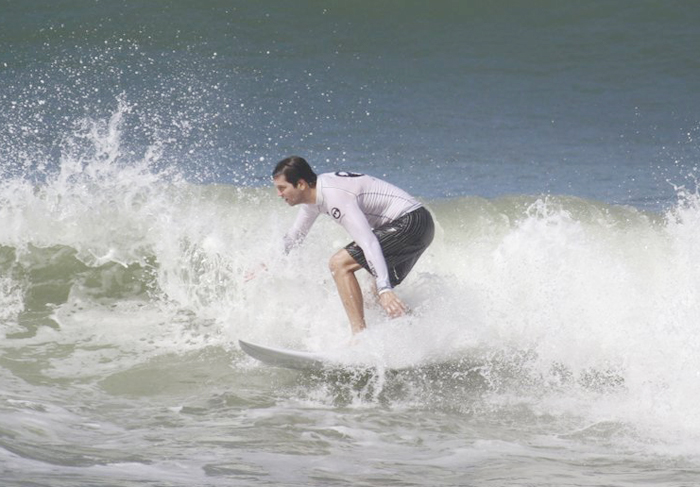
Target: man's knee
x,y
337,263
342,262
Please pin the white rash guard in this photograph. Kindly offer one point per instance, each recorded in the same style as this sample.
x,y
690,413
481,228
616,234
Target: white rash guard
x,y
359,203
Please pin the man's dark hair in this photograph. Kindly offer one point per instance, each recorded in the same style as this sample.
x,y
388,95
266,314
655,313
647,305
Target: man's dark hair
x,y
293,169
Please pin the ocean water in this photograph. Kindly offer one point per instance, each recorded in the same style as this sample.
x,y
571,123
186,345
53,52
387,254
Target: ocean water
x,y
553,339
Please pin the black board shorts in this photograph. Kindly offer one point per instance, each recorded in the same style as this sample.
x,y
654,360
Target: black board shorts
x,y
403,241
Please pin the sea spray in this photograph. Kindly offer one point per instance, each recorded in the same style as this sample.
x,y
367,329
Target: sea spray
x,y
591,301
561,305
552,334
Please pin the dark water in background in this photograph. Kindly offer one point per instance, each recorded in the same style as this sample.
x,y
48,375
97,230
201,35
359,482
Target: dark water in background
x,y
597,100
554,335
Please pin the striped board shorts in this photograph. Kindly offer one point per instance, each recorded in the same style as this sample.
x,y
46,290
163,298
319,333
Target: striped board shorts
x,y
403,241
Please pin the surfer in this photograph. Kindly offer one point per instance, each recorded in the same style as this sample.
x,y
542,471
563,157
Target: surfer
x,y
390,228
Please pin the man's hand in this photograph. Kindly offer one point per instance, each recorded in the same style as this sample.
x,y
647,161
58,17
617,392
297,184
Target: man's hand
x,y
251,273
391,303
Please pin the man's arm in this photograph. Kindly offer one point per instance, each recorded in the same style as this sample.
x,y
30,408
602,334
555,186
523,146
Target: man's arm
x,y
297,233
356,224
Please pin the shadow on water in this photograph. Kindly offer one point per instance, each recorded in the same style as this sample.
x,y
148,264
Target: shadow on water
x,y
462,385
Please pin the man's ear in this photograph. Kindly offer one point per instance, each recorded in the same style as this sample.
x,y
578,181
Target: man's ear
x,y
302,184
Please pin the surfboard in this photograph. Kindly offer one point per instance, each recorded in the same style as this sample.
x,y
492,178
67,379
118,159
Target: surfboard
x,y
289,359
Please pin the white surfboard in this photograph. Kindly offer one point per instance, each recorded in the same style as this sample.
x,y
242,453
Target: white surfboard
x,y
290,359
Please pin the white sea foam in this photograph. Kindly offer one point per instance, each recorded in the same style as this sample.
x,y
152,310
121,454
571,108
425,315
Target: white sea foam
x,y
570,306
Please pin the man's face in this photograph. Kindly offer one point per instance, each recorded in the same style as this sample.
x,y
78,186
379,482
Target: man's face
x,y
286,190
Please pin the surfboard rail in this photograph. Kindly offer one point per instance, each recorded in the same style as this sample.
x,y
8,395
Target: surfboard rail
x,y
280,357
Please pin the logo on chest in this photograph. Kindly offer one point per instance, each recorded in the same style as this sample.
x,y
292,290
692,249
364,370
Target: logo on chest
x,y
335,213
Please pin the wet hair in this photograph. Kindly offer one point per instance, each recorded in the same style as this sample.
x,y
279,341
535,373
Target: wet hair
x,y
293,169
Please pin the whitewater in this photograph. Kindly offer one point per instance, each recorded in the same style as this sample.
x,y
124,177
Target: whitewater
x,y
552,339
540,326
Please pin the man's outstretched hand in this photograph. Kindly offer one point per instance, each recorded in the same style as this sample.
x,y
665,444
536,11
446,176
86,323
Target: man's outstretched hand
x,y
252,273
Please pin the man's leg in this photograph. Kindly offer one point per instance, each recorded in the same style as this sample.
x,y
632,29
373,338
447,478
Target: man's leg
x,y
343,268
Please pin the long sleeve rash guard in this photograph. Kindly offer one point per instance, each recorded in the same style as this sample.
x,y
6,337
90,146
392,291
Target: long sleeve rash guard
x,y
359,203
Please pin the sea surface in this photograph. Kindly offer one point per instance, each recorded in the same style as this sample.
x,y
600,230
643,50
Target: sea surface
x,y
554,337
